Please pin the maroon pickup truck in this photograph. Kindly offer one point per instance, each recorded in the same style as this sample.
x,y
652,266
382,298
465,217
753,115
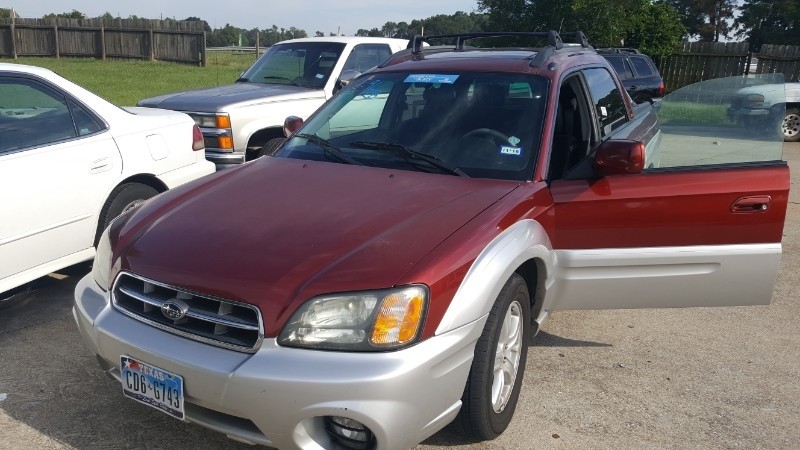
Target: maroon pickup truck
x,y
384,273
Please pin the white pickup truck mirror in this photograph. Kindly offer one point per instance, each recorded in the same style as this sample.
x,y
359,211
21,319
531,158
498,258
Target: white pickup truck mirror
x,y
347,76
616,157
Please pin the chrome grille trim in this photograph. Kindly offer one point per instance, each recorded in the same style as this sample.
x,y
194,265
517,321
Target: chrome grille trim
x,y
211,320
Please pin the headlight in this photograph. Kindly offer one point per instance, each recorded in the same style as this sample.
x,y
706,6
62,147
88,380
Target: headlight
x,y
212,120
362,321
101,268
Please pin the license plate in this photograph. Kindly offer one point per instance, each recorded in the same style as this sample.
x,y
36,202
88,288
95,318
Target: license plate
x,y
152,386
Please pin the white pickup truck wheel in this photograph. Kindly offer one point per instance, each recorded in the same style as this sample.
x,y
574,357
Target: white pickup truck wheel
x,y
492,389
270,147
791,125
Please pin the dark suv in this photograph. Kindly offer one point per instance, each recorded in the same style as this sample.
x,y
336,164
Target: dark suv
x,y
638,73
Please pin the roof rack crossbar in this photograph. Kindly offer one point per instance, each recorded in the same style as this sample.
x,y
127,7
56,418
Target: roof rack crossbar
x,y
553,38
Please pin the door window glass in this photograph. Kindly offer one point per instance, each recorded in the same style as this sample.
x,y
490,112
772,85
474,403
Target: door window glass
x,y
608,103
367,56
32,114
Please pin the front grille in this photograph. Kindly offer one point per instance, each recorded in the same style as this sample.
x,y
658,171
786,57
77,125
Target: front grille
x,y
204,318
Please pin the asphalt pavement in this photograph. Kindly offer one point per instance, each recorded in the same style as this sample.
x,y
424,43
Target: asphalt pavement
x,y
669,378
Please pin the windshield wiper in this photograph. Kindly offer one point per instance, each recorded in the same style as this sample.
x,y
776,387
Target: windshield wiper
x,y
270,77
243,80
410,154
330,149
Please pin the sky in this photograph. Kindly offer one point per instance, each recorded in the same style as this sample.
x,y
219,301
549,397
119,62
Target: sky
x,y
309,15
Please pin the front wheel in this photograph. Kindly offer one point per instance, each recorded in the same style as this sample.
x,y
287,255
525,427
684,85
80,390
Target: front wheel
x,y
270,147
122,198
495,378
791,125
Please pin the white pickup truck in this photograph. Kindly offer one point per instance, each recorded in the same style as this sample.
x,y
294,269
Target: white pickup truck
x,y
244,120
757,103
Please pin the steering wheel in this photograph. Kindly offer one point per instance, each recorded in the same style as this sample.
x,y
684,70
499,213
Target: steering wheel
x,y
488,132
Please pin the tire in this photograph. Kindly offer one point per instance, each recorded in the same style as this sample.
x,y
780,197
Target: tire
x,y
14,297
270,147
122,198
791,125
489,401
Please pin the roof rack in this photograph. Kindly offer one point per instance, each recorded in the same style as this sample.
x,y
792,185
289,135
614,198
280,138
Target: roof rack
x,y
553,38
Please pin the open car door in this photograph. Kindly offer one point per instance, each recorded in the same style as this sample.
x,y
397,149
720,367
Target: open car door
x,y
701,225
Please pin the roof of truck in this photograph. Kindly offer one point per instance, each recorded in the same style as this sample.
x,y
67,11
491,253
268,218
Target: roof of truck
x,y
349,39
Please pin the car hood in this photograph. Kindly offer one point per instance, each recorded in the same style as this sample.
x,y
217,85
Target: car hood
x,y
216,98
277,232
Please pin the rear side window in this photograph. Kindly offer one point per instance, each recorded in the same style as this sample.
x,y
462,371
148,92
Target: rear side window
x,y
621,66
608,103
367,56
641,66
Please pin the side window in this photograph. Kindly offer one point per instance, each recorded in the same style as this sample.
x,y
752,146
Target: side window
x,y
608,103
84,121
367,56
32,114
641,66
620,64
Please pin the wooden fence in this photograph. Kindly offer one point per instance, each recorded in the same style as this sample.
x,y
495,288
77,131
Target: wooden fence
x,y
699,61
161,40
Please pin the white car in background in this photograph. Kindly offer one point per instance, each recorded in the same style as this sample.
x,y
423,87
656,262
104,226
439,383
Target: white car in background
x,y
70,162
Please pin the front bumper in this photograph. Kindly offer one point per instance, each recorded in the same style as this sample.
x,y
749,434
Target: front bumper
x,y
278,396
225,160
735,113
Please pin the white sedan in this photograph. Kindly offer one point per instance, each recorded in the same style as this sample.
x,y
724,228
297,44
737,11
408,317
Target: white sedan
x,y
70,162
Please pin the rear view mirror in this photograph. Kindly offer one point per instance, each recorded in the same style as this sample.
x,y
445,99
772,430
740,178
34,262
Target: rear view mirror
x,y
616,157
291,124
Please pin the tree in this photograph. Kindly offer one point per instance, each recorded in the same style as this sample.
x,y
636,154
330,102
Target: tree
x,y
74,14
319,34
708,19
5,13
206,26
769,22
655,28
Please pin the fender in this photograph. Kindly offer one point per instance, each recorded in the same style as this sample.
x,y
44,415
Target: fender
x,y
521,242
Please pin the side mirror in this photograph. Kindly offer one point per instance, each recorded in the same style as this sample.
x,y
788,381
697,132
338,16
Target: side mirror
x,y
616,157
291,124
347,76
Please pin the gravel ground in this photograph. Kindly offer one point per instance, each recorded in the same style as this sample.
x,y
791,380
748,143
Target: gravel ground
x,y
684,378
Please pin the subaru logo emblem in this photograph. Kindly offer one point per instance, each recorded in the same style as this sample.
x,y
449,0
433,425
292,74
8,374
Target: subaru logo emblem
x,y
174,309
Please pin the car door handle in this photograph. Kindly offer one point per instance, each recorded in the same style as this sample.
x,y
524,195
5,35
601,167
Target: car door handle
x,y
751,204
100,165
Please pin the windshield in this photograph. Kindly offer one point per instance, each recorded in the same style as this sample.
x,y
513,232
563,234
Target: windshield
x,y
306,64
484,125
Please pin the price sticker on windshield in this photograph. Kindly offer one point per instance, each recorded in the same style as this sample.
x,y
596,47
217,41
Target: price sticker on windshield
x,y
431,78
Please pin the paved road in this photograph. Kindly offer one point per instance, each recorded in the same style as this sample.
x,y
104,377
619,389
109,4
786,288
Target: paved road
x,y
702,378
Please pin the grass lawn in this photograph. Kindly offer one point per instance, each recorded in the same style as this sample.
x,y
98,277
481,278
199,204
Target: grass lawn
x,y
125,82
694,114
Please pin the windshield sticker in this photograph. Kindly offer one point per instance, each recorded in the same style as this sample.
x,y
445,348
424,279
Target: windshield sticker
x,y
431,78
371,90
320,76
513,151
513,140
